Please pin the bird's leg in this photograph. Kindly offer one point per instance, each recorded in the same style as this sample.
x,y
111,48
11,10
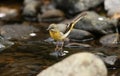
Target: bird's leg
x,y
56,51
61,48
57,46
61,45
61,51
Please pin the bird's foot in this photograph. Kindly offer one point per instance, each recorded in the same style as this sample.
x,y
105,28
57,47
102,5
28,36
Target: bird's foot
x,y
59,53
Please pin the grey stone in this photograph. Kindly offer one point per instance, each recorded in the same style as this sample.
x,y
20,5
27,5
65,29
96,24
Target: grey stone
x,y
108,59
78,45
110,40
97,24
80,34
80,64
4,43
17,31
53,15
112,6
30,7
75,6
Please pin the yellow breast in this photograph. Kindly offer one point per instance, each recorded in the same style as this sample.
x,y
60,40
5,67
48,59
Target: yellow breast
x,y
56,35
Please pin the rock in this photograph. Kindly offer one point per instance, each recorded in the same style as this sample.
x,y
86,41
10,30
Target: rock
x,y
4,43
30,7
96,24
112,6
77,34
77,45
46,6
17,31
75,6
53,15
8,13
108,59
48,13
80,64
110,40
49,40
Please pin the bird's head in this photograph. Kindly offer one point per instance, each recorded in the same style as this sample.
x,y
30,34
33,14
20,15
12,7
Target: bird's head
x,y
52,27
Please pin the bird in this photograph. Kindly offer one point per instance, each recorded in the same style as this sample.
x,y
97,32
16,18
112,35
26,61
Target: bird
x,y
60,37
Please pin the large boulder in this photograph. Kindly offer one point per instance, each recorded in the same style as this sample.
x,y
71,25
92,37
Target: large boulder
x,y
80,64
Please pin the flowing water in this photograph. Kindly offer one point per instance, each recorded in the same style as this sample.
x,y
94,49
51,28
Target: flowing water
x,y
29,57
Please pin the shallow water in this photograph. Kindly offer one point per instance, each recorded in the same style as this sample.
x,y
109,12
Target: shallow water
x,y
29,57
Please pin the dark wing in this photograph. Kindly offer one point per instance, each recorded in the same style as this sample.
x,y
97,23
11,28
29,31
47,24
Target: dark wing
x,y
68,27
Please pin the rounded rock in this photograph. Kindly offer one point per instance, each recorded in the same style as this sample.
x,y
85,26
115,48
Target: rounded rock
x,y
75,6
97,24
78,34
80,64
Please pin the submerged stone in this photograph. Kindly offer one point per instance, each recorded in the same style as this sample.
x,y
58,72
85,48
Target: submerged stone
x,y
4,43
17,31
77,45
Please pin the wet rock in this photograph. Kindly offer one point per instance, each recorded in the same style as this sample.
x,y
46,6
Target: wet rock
x,y
113,7
81,64
77,45
96,24
108,59
53,15
30,7
110,40
77,34
48,13
17,31
8,13
75,6
4,43
46,5
49,40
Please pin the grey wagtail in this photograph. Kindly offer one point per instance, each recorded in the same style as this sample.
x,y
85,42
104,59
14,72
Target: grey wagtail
x,y
59,36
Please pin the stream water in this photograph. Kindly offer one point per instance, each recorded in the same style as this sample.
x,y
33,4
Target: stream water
x,y
31,56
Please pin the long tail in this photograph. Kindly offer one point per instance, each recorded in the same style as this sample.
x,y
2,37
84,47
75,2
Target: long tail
x,y
71,25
